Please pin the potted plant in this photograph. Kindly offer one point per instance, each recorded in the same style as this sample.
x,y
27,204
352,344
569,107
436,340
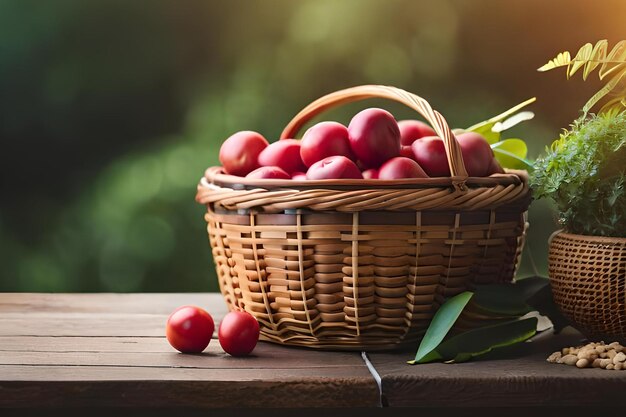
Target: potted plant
x,y
584,174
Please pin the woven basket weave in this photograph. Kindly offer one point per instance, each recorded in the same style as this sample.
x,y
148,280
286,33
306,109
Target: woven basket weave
x,y
588,279
360,264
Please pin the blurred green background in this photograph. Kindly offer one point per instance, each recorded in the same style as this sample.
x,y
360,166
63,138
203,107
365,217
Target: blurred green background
x,y
111,110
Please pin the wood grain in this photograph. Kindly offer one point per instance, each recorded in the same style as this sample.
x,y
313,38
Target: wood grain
x,y
73,352
57,386
157,303
84,344
50,351
97,315
109,350
82,324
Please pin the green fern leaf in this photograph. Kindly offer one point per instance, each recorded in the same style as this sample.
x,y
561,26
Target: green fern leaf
x,y
614,60
612,66
562,60
582,57
613,82
598,50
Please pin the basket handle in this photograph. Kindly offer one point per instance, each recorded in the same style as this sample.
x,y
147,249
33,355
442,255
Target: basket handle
x,y
363,92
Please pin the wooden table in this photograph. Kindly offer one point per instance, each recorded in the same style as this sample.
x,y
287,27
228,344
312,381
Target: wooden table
x,y
107,352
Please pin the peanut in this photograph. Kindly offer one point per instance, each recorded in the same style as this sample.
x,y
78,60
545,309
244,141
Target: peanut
x,y
582,363
569,359
588,354
593,354
616,347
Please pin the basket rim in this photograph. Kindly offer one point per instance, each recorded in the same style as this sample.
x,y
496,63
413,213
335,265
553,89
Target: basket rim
x,y
271,195
589,238
215,175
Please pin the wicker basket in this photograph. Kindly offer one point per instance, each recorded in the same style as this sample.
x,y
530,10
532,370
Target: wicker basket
x,y
588,279
360,264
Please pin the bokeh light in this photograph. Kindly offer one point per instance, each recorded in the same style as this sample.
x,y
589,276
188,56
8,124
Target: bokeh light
x,y
111,110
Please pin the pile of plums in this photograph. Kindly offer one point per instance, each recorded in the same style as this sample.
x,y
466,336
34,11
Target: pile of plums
x,y
373,146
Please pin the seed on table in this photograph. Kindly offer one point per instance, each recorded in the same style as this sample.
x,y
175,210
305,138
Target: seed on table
x,y
569,359
587,354
593,354
582,363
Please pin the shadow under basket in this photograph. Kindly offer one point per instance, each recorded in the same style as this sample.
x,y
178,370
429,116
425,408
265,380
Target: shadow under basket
x,y
361,264
588,280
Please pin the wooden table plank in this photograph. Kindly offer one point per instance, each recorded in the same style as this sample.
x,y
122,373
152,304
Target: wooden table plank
x,y
82,324
56,386
84,344
519,377
88,350
78,350
155,303
92,375
265,356
97,315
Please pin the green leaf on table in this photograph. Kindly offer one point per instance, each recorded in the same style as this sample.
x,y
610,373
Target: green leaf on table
x,y
499,307
511,153
440,325
508,299
466,345
501,299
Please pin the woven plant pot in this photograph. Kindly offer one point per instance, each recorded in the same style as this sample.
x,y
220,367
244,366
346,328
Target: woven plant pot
x,y
360,264
588,279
